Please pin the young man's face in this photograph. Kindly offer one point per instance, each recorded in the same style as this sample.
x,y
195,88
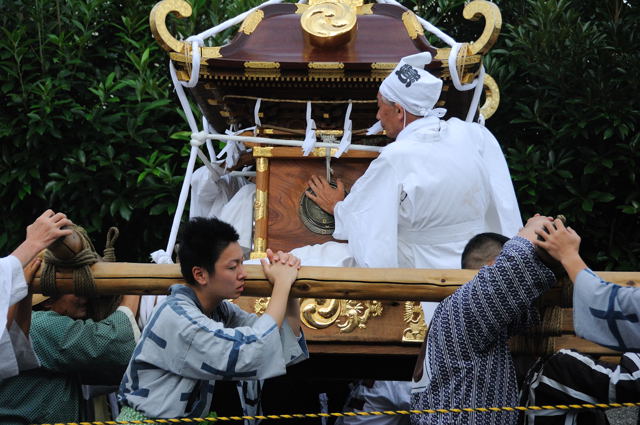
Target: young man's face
x,y
389,117
227,281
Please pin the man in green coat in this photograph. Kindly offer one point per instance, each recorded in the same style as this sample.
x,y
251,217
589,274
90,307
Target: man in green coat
x,y
72,351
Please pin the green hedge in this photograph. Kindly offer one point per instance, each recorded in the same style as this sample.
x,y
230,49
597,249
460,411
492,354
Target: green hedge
x,y
88,115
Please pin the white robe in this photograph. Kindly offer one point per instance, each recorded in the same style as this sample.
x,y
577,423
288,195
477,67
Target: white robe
x,y
16,353
425,196
230,199
418,204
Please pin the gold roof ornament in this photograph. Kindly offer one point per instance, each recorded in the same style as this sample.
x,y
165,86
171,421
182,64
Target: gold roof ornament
x,y
330,23
492,97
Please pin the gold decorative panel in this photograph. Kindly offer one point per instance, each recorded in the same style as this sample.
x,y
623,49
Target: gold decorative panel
x,y
416,329
260,206
348,315
414,29
251,22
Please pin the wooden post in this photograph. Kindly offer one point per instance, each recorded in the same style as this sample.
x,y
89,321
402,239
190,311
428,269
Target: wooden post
x,y
260,208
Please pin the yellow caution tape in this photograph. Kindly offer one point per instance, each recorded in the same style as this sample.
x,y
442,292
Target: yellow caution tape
x,y
374,413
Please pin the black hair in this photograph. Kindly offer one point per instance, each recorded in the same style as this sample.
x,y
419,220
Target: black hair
x,y
482,249
203,240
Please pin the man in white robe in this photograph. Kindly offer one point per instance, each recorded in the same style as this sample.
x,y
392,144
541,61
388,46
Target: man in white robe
x,y
428,192
15,351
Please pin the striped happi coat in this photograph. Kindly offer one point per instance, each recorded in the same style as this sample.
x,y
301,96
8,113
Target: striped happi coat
x,y
467,361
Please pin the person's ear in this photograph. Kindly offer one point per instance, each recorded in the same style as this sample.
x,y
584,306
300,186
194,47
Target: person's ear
x,y
200,275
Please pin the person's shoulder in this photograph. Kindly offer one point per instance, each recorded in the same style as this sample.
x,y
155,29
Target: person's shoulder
x,y
43,317
46,324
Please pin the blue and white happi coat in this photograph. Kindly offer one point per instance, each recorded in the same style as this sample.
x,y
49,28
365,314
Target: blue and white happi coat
x,y
606,313
182,352
467,361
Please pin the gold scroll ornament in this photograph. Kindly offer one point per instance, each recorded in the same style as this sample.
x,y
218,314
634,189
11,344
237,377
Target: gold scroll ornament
x,y
331,23
348,315
492,97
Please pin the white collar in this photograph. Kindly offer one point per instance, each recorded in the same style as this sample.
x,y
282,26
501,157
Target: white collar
x,y
430,124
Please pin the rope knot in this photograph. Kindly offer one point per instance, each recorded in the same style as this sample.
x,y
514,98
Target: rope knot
x,y
198,139
195,39
83,283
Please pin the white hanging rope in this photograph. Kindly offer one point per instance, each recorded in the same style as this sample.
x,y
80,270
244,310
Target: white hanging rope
x,y
196,44
233,148
184,193
209,129
345,142
476,95
310,133
256,113
184,102
453,69
242,174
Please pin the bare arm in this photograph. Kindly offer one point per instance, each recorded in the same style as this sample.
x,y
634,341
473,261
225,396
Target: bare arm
x,y
293,315
132,302
21,312
281,270
42,233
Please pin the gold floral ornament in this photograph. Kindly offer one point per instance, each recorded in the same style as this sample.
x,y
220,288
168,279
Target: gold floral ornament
x,y
356,314
260,305
321,313
414,318
330,23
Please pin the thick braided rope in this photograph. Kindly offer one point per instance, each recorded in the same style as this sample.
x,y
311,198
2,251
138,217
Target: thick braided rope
x,y
374,413
83,283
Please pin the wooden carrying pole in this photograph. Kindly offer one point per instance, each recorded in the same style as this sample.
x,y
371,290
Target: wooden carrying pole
x,y
312,282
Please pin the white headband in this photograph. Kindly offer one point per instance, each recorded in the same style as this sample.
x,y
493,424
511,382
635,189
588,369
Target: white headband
x,y
409,85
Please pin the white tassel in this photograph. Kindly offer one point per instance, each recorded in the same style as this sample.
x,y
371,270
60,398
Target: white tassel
x,y
256,113
345,142
375,129
161,257
310,135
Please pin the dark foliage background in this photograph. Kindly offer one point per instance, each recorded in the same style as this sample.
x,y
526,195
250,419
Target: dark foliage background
x,y
89,121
